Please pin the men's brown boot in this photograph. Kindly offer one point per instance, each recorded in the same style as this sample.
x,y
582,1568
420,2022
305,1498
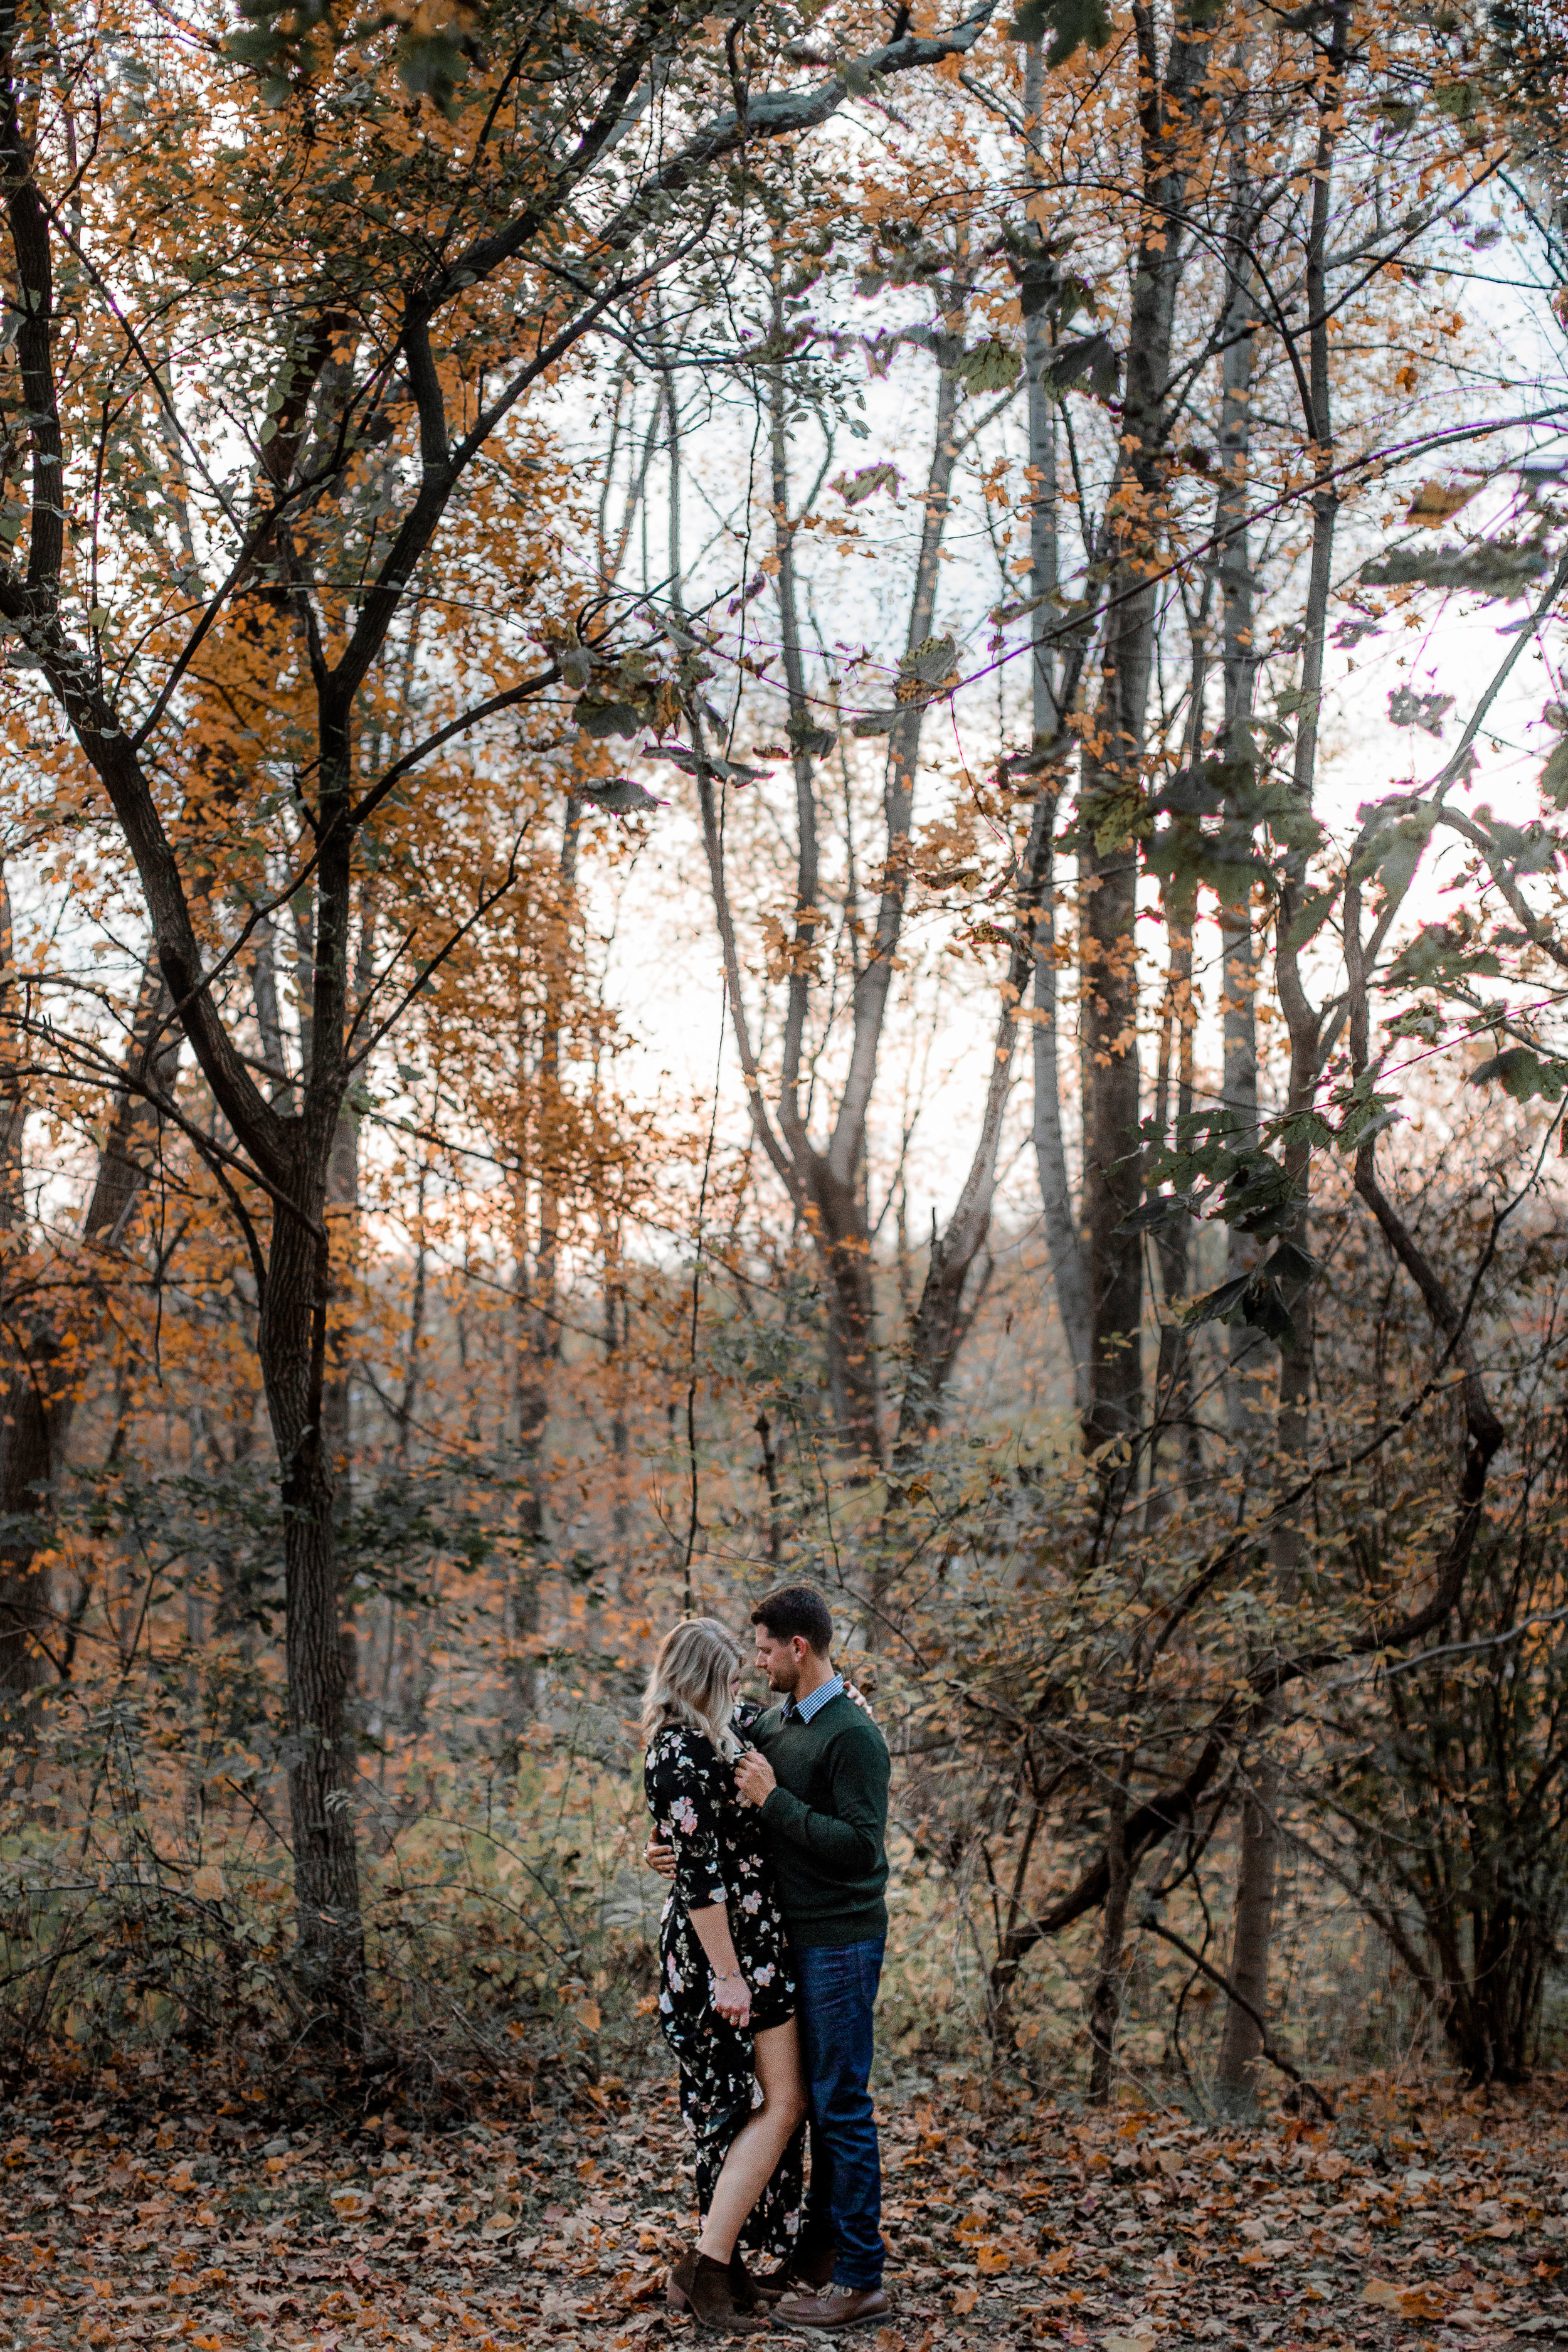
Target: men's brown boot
x,y
831,2307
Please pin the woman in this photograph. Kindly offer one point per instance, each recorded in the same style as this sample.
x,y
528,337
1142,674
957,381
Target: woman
x,y
727,1985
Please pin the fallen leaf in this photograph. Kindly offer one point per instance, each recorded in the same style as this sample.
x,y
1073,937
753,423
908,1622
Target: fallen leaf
x,y
965,2300
1423,2303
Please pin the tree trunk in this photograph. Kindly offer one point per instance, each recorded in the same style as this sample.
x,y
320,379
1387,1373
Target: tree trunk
x,y
1105,2003
1111,1183
291,1345
617,1322
1047,721
1241,2041
1174,1378
826,1184
292,1350
841,1230
337,1399
939,1321
538,1306
47,1357
1063,1245
1249,1350
1112,796
1253,1918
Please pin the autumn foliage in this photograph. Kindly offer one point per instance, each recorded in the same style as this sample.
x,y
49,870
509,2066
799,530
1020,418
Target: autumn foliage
x,y
781,792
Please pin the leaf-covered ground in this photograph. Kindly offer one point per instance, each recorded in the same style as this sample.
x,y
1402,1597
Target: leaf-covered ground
x,y
1011,2222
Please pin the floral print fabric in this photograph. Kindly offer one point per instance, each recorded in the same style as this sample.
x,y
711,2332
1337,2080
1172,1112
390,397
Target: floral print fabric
x,y
719,1858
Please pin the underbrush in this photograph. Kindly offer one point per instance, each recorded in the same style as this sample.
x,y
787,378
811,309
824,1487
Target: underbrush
x,y
146,1914
147,1936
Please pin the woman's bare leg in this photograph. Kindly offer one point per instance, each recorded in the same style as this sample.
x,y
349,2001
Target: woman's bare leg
x,y
759,2144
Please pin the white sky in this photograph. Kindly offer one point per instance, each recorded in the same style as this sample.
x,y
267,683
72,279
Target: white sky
x,y
665,971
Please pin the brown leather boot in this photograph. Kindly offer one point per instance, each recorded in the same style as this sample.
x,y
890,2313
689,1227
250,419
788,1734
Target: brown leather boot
x,y
833,2308
802,2272
701,2286
745,2290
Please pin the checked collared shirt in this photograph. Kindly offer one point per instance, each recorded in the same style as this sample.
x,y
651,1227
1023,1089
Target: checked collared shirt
x,y
806,1707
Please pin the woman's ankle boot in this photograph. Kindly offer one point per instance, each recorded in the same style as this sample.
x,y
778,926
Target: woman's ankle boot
x,y
743,2289
677,2294
701,2286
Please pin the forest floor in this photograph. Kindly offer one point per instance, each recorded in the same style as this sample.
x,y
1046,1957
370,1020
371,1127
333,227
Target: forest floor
x,y
1413,2221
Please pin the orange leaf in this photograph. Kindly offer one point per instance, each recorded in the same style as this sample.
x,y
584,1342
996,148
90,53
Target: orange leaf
x,y
1434,501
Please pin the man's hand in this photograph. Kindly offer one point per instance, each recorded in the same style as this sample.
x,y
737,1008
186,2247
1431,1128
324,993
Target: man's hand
x,y
661,1857
754,1777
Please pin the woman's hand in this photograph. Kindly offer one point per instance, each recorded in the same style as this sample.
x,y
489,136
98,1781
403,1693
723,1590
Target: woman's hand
x,y
659,1856
732,1999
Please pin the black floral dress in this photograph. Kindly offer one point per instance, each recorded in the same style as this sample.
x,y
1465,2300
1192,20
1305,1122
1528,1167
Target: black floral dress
x,y
719,1858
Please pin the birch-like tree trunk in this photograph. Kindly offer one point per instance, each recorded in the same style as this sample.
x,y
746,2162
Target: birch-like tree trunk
x,y
1064,1248
1173,1377
825,1181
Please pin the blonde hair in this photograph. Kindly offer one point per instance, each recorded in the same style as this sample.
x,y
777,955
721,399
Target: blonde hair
x,y
690,1683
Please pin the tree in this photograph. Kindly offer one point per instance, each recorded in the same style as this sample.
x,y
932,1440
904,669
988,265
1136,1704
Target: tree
x,y
365,289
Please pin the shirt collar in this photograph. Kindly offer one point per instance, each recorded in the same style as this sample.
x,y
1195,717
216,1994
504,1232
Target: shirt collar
x,y
813,1704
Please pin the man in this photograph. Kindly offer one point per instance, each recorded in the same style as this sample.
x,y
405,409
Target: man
x,y
818,1771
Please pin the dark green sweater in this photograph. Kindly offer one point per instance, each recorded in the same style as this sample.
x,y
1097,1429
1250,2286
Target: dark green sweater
x,y
826,1821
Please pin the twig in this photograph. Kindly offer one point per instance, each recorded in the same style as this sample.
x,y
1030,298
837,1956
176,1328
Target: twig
x,y
1274,2056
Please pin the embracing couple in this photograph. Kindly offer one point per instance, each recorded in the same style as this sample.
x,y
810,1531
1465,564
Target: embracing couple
x,y
771,1825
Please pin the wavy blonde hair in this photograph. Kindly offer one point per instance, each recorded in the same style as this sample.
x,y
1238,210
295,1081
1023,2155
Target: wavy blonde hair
x,y
690,1683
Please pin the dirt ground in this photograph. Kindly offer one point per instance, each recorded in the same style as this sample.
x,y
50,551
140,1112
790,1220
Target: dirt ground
x,y
1416,2219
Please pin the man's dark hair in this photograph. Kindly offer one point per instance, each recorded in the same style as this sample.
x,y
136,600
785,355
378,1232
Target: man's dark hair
x,y
797,1608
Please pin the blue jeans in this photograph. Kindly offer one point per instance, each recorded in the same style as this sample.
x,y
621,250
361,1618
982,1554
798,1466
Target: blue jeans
x,y
844,2203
